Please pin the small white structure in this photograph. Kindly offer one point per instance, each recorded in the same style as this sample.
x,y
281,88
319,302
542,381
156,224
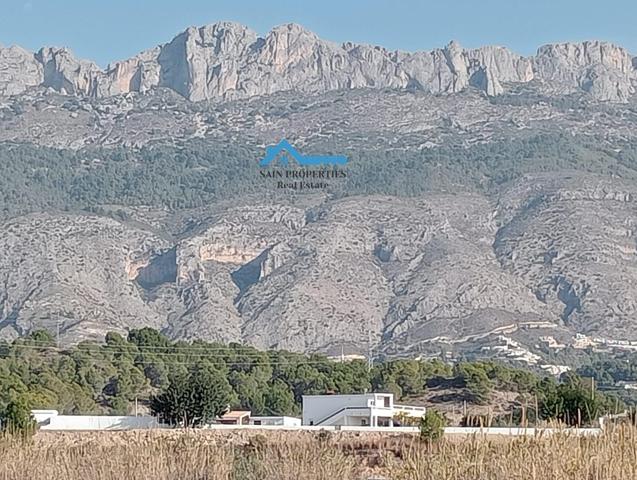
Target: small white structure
x,y
278,421
364,410
235,417
244,417
627,385
41,416
51,420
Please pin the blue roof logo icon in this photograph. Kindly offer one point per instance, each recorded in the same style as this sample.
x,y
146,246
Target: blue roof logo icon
x,y
284,150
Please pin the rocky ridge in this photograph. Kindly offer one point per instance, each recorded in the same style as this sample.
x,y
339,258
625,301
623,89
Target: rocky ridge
x,y
226,61
404,275
358,119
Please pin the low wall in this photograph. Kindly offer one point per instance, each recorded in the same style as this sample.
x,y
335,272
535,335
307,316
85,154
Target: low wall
x,y
505,431
114,423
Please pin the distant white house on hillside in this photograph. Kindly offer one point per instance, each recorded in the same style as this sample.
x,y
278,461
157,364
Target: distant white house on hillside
x,y
363,410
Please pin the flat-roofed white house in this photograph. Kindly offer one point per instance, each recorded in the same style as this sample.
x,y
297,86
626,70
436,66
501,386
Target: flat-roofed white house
x,y
52,420
244,417
281,421
362,410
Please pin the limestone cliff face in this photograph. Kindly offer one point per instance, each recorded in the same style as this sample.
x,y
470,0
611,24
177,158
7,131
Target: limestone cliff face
x,y
603,69
137,74
47,277
18,70
227,61
64,73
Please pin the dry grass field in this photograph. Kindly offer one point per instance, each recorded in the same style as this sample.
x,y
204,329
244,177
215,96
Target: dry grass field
x,y
206,455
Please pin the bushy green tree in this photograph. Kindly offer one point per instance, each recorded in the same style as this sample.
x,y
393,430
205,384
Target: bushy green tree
x,y
474,378
16,419
174,405
383,380
572,403
148,337
250,392
432,426
351,377
279,400
195,399
42,337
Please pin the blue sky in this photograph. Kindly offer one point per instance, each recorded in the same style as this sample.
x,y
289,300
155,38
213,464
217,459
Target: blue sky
x,y
107,30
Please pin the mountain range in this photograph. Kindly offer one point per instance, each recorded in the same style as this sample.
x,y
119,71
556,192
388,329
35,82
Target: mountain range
x,y
488,207
226,61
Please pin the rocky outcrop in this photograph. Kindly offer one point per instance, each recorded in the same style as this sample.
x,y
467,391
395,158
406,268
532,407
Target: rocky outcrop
x,y
602,69
138,74
502,63
607,84
226,61
485,80
19,70
72,271
66,74
160,268
571,239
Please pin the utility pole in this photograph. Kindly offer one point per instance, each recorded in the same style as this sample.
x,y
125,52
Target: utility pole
x,y
370,358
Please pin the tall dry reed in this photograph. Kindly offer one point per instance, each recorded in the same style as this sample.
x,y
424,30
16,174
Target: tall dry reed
x,y
311,456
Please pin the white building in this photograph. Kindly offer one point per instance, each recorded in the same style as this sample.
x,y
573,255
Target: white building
x,y
364,410
278,421
52,420
238,417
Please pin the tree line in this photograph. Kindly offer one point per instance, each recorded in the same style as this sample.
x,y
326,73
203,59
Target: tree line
x,y
194,382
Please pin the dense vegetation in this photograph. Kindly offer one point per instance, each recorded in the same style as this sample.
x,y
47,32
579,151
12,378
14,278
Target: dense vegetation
x,y
37,178
173,377
608,371
16,419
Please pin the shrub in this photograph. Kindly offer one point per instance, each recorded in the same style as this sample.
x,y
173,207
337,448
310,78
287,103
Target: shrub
x,y
432,426
16,420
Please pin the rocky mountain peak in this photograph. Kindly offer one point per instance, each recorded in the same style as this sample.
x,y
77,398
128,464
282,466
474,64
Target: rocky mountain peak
x,y
604,70
18,70
222,36
293,29
65,73
584,54
286,45
454,46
